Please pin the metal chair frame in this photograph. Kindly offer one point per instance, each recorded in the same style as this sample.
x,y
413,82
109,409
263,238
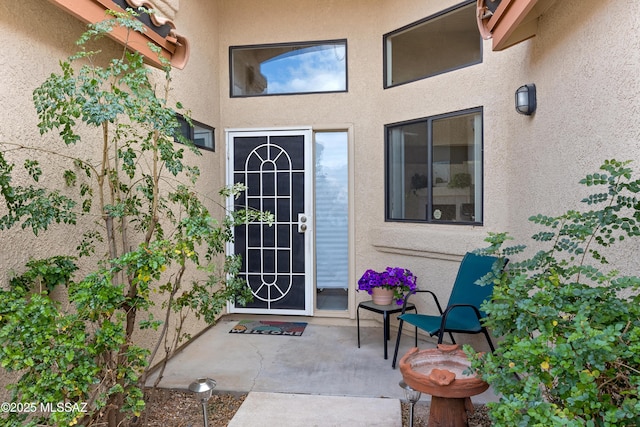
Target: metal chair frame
x,y
465,293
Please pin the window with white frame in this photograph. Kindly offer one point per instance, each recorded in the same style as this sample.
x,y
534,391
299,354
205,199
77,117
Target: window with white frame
x,y
434,169
288,68
440,43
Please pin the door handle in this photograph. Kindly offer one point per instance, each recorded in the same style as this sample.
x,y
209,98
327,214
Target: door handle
x,y
302,223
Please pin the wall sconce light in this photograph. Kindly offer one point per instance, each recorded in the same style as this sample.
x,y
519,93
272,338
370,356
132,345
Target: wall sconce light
x,y
202,388
526,99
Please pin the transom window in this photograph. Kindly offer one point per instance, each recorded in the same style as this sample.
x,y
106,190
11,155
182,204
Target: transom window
x,y
434,169
290,68
437,44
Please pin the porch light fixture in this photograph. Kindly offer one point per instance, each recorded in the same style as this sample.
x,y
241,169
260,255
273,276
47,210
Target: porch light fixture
x,y
412,396
526,99
202,388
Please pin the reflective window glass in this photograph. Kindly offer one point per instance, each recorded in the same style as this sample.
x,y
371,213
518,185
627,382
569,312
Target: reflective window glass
x,y
332,220
440,43
289,68
200,134
434,169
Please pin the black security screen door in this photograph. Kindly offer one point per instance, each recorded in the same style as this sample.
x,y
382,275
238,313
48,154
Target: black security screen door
x,y
275,256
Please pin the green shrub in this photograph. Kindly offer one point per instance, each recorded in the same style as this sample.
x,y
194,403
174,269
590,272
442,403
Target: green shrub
x,y
145,217
569,322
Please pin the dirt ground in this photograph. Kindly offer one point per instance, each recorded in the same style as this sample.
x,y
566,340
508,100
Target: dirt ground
x,y
171,408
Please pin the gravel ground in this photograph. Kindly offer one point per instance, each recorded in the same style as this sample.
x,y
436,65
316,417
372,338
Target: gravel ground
x,y
479,418
171,408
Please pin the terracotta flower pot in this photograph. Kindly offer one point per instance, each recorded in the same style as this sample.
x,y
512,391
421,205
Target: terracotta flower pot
x,y
382,296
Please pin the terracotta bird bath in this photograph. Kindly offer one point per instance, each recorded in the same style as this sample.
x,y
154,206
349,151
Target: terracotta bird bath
x,y
439,372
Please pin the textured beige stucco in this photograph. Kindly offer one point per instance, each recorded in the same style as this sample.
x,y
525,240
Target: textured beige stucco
x,y
30,55
585,62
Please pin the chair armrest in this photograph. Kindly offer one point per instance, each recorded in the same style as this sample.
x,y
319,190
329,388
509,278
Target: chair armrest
x,y
435,298
452,306
449,309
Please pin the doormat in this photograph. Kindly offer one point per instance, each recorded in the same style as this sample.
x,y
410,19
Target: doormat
x,y
268,327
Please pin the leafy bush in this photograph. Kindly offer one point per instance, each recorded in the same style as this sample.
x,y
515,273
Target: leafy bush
x,y
148,232
570,323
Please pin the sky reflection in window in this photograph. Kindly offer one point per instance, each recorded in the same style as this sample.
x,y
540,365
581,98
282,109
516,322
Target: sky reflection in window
x,y
288,69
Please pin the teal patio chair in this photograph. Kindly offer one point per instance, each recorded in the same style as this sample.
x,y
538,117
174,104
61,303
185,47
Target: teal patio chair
x,y
462,314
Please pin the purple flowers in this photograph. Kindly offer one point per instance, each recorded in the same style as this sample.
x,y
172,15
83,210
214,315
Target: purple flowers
x,y
401,280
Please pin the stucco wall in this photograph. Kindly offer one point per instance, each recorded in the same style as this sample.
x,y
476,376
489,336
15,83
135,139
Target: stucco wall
x,y
197,88
30,54
584,62
38,35
367,107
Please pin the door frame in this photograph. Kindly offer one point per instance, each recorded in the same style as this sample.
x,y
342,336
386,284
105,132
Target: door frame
x,y
309,241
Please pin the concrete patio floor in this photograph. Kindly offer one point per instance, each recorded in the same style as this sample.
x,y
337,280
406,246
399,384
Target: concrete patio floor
x,y
324,365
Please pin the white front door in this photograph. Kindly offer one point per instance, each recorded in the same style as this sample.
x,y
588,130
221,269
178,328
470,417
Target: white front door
x,y
277,259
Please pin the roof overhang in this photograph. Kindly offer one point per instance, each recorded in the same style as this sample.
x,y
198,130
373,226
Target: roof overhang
x,y
173,47
511,22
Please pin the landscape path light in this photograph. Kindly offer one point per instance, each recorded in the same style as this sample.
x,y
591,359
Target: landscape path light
x,y
202,388
412,396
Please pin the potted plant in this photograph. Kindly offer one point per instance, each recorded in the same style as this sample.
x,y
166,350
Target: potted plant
x,y
394,283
